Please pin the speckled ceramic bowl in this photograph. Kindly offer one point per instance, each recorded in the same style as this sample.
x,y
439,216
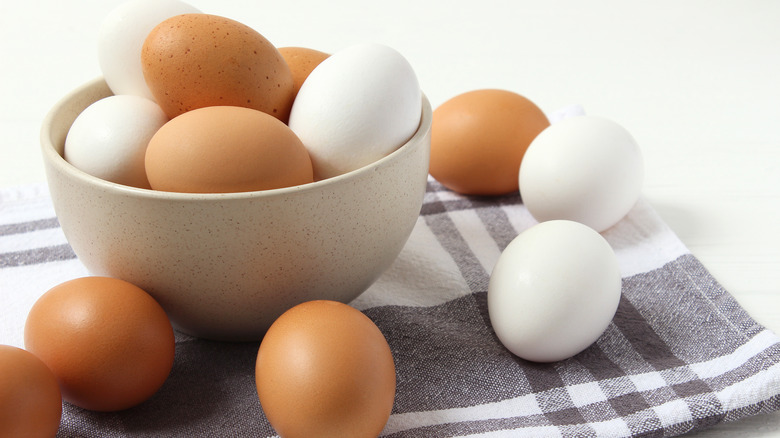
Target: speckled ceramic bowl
x,y
224,266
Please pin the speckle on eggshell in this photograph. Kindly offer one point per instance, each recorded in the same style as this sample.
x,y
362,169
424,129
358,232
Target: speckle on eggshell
x,y
196,60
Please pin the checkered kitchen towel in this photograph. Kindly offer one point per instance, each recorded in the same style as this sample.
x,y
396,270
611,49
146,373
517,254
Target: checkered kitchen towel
x,y
680,355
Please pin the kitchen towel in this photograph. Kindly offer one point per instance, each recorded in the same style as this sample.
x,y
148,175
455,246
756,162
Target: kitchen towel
x,y
680,354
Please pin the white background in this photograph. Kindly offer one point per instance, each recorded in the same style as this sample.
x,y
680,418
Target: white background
x,y
696,82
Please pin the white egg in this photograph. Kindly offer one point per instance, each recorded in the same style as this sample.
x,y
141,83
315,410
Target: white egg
x,y
586,169
109,138
121,37
553,291
355,107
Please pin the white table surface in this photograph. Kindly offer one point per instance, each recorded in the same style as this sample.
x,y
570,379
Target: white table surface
x,y
697,82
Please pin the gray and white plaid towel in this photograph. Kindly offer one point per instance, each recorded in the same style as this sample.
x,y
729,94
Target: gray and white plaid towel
x,y
680,355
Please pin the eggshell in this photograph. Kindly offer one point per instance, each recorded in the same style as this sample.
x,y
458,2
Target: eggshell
x,y
585,168
121,37
108,342
109,138
553,291
479,138
301,60
196,60
324,369
223,149
30,399
356,106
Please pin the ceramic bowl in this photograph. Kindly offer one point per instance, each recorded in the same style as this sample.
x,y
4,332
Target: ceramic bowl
x,y
225,266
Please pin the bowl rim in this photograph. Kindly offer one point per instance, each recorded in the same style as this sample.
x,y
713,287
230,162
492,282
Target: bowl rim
x,y
54,158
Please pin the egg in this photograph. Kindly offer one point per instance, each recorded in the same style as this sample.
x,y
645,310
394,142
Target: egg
x,y
553,291
301,60
324,369
479,138
223,149
197,60
121,36
587,169
109,138
355,107
108,342
30,399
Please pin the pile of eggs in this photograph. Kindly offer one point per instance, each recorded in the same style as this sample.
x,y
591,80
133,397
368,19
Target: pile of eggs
x,y
206,104
105,345
556,287
493,142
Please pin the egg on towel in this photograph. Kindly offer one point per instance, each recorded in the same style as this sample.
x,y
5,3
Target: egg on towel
x,y
109,343
479,138
324,369
553,291
355,107
30,395
587,169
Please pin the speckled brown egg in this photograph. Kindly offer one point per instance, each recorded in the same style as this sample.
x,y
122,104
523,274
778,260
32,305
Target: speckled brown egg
x,y
301,60
226,149
324,369
30,399
196,60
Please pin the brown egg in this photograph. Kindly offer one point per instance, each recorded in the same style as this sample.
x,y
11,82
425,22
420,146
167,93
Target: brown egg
x,y
196,60
478,140
30,399
324,369
108,342
222,149
301,61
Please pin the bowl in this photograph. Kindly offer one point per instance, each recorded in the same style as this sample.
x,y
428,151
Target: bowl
x,y
225,266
